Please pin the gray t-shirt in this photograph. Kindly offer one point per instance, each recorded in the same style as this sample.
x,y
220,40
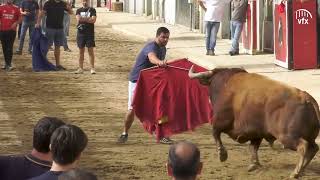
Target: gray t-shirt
x,y
142,60
239,10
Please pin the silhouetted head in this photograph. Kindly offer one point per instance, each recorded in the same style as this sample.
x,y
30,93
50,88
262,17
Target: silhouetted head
x,y
184,161
67,144
43,131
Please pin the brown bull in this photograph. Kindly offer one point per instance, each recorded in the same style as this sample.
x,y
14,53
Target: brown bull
x,y
251,107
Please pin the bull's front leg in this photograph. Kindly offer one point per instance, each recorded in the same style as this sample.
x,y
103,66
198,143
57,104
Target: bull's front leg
x,y
253,147
222,152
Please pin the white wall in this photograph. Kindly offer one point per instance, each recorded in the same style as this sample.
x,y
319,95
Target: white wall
x,y
132,6
170,11
140,7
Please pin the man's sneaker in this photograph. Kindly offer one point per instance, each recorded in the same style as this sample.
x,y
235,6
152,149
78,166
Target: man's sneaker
x,y
79,71
210,53
123,138
67,50
60,68
18,52
166,141
233,53
92,71
3,67
9,68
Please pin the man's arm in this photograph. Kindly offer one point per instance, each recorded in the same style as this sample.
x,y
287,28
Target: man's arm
x,y
155,60
19,20
24,13
37,12
202,5
91,19
78,17
172,60
68,8
40,15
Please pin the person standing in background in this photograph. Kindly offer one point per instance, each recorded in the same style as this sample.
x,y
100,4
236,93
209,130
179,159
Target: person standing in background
x,y
86,17
214,12
66,25
10,17
238,18
18,3
29,10
54,9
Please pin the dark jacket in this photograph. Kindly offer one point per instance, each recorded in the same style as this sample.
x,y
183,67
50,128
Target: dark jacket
x,y
39,52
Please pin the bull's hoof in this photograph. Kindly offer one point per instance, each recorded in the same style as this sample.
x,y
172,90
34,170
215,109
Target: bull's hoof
x,y
294,175
223,154
253,167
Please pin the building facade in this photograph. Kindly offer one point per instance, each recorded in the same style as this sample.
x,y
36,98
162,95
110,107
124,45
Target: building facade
x,y
188,13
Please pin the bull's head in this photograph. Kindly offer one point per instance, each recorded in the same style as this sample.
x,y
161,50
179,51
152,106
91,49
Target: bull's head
x,y
204,77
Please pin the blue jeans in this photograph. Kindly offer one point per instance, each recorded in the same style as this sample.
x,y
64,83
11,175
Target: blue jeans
x,y
43,24
212,29
236,29
24,28
66,24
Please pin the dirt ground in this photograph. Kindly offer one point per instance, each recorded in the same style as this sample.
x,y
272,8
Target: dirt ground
x,y
97,103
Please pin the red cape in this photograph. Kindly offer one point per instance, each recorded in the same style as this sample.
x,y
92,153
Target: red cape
x,y
168,94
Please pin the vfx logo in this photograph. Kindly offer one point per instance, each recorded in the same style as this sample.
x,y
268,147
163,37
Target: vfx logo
x,y
302,16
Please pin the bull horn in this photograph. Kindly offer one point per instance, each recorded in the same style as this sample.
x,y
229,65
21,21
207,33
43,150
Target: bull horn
x,y
199,75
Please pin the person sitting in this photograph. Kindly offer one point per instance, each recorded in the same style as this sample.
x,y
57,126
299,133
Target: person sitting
x,y
77,174
66,144
21,167
184,161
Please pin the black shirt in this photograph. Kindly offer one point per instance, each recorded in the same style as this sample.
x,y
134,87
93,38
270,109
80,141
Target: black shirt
x,y
88,27
22,167
50,175
55,12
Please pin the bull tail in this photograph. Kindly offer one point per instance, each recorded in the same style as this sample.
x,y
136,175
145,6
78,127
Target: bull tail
x,y
315,105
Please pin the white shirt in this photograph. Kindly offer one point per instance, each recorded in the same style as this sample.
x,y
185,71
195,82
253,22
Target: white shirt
x,y
215,9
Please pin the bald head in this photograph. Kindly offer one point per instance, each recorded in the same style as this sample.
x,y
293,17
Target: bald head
x,y
184,160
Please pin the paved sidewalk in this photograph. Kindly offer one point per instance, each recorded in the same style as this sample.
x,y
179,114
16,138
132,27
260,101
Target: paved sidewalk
x,y
184,43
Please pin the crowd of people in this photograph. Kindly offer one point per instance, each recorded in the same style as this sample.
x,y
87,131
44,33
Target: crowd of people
x,y
53,16
57,148
214,12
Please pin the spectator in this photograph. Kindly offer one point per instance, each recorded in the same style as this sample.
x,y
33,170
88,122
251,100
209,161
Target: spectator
x,y
86,17
239,10
54,9
73,2
39,160
18,3
29,10
10,17
212,18
153,53
43,19
66,24
66,144
77,174
184,161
